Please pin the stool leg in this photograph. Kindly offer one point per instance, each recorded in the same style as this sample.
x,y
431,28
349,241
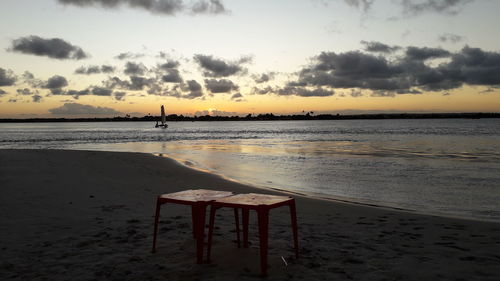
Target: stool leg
x,y
211,231
246,214
193,220
293,216
157,217
263,216
237,221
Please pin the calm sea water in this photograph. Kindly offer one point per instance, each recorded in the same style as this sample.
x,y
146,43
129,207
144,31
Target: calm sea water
x,y
443,166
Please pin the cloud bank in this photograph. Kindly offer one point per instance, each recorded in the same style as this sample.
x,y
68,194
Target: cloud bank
x,y
76,109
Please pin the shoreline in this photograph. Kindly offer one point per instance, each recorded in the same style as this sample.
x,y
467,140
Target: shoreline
x,y
84,215
318,196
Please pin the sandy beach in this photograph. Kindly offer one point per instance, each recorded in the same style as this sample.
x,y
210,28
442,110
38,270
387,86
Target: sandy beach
x,y
84,215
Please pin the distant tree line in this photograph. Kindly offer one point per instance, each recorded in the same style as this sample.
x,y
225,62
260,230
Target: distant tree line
x,y
264,117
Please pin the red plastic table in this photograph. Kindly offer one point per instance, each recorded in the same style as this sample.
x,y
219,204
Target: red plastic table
x,y
198,199
261,203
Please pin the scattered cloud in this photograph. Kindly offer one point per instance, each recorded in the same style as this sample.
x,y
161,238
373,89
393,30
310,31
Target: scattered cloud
x,y
76,109
449,7
2,92
25,92
160,7
361,4
95,69
53,48
449,37
215,112
30,79
129,55
7,77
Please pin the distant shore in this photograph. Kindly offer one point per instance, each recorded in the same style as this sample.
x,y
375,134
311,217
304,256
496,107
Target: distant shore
x,y
266,117
86,215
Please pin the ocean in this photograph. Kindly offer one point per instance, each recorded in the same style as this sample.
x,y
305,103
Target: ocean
x,y
448,167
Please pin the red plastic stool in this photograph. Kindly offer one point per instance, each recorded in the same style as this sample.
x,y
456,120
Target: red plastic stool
x,y
261,203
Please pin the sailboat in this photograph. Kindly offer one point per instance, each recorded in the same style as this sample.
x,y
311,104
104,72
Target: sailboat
x,y
163,119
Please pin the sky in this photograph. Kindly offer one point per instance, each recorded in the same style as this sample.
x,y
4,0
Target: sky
x,y
104,58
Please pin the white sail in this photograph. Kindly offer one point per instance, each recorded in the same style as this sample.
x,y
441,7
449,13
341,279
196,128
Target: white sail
x,y
163,117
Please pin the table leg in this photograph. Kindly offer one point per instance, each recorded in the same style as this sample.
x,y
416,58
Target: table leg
x,y
263,217
237,222
200,211
293,216
157,217
211,226
246,215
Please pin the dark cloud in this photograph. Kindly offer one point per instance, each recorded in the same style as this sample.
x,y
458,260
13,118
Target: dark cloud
x,y
107,68
129,55
450,7
214,67
262,91
36,98
137,83
363,4
194,89
100,91
169,65
303,92
416,53
7,77
94,69
76,109
132,68
76,94
25,92
2,92
172,76
377,47
53,48
408,74
220,86
162,7
238,97
119,95
264,77
449,37
208,7
12,100
56,82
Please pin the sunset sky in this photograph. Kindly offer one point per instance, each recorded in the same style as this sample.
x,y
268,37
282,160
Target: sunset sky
x,y
96,58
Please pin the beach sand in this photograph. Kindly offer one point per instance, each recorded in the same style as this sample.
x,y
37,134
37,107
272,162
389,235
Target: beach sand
x,y
83,215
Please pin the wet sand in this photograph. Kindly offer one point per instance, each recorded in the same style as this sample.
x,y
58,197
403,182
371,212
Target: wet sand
x,y
83,215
